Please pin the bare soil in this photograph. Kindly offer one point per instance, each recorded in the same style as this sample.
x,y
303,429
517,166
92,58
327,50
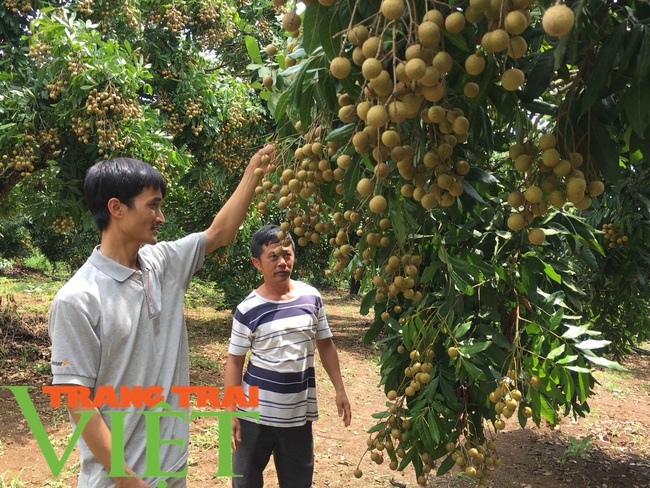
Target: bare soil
x,y
616,454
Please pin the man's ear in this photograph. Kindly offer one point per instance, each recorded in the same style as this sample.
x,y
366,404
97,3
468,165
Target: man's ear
x,y
115,207
257,264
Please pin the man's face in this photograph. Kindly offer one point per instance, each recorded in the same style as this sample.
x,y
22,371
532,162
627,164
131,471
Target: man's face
x,y
142,221
275,265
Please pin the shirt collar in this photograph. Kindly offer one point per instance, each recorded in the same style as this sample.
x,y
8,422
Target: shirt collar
x,y
112,268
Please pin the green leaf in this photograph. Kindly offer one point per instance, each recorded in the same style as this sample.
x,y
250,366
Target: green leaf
x,y
540,76
556,352
253,50
446,465
311,22
328,30
341,134
636,100
605,363
550,272
475,348
592,344
602,68
643,60
604,151
462,329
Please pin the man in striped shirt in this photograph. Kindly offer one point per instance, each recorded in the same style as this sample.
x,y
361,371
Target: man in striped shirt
x,y
281,323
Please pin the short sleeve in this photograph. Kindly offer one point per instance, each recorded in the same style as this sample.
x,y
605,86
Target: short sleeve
x,y
240,336
76,348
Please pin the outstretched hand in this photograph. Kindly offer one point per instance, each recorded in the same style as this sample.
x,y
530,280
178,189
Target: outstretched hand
x,y
262,159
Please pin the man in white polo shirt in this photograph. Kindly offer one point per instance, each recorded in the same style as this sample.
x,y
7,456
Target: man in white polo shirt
x,y
118,322
281,323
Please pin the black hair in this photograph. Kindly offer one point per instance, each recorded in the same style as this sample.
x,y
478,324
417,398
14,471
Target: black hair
x,y
121,178
265,235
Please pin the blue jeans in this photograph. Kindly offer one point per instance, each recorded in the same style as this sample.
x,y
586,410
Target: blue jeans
x,y
293,455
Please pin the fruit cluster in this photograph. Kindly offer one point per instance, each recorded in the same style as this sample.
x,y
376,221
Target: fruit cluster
x,y
63,224
22,157
614,236
476,459
549,178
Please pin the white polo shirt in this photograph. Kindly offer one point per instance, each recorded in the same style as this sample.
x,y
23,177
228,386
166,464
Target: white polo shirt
x,y
114,326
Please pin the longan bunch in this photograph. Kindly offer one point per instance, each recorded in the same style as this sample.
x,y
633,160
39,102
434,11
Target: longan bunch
x,y
506,398
399,278
22,157
63,224
476,458
549,179
21,7
614,236
39,51
86,7
55,88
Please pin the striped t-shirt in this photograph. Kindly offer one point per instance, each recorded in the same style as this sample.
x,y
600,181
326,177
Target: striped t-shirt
x,y
281,337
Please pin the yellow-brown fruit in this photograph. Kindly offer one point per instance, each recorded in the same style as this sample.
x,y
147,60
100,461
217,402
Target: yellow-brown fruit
x,y
455,22
495,41
517,47
515,22
558,20
340,67
347,113
377,204
471,89
575,189
358,473
344,161
371,68
377,116
396,111
547,141
434,16
371,46
437,114
357,56
474,64
271,50
429,201
392,9
595,188
557,198
460,125
516,199
365,187
390,138
533,194
583,204
362,109
515,151
289,61
523,163
443,62
551,156
429,34
563,168
516,222
415,69
472,15
462,167
267,81
536,236
291,21
358,34
512,79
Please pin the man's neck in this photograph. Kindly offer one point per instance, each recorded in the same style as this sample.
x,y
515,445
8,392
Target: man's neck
x,y
123,253
276,292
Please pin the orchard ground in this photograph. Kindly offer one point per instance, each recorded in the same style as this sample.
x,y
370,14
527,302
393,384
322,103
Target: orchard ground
x,y
609,448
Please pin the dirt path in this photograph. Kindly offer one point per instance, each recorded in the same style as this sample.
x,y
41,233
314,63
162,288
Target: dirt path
x,y
617,455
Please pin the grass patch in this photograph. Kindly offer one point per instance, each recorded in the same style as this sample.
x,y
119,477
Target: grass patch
x,y
203,294
615,381
11,480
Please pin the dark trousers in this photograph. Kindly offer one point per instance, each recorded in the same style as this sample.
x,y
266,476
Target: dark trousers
x,y
293,454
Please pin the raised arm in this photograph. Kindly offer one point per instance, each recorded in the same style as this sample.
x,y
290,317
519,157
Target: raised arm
x,y
229,218
330,359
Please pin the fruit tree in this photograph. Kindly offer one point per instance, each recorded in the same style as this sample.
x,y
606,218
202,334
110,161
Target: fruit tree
x,y
80,81
449,151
